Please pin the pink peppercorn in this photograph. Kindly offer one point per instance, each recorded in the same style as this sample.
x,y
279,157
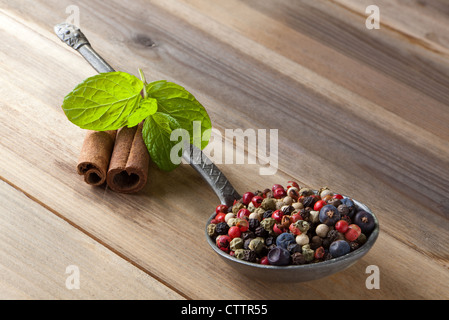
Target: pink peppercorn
x,y
279,193
223,243
246,198
277,215
243,213
220,217
342,226
264,260
353,232
221,208
257,201
234,232
277,229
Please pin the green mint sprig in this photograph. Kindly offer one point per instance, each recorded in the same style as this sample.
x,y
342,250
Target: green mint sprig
x,y
110,101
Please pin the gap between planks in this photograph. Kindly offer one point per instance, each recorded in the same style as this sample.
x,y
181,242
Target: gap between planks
x,y
96,239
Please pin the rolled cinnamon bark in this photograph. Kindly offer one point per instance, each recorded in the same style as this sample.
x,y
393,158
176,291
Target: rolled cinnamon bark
x,y
95,156
128,169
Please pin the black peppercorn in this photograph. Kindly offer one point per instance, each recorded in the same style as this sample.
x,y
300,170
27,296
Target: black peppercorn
x,y
267,214
354,245
246,243
222,228
253,224
249,256
333,235
334,202
294,247
261,232
270,240
247,235
287,210
316,242
309,201
298,258
305,213
326,243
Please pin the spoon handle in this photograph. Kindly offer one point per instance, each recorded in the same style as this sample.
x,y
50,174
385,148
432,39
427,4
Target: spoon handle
x,y
74,38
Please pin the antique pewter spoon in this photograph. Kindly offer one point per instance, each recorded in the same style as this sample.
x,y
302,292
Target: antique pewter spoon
x,y
227,194
74,38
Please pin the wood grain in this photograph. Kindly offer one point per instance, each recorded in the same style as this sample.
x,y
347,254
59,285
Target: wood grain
x,y
364,112
39,251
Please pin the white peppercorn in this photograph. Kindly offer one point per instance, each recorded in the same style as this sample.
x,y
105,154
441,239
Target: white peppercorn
x,y
228,216
302,239
322,230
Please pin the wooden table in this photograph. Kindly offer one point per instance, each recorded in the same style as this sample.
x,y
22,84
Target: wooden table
x,y
362,111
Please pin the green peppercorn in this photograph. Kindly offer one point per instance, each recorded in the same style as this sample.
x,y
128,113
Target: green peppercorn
x,y
308,253
257,244
302,225
236,243
211,230
239,254
268,204
268,224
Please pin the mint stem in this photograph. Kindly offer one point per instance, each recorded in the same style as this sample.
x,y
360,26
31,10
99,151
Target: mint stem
x,y
142,77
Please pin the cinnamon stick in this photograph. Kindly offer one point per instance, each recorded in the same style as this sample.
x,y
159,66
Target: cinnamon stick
x,y
95,156
128,168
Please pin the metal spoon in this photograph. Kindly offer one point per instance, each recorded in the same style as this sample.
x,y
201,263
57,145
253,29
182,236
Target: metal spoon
x,y
74,38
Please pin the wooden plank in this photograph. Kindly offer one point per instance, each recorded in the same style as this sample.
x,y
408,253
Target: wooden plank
x,y
391,164
44,257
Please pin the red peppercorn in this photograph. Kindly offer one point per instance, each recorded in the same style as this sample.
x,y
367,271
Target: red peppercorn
x,y
277,215
277,229
264,260
295,217
221,208
293,184
223,242
342,226
247,196
243,213
276,186
279,193
319,253
294,229
353,232
319,204
220,217
234,232
257,201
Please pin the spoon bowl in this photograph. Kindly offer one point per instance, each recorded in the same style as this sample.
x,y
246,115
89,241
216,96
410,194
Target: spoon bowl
x,y
298,273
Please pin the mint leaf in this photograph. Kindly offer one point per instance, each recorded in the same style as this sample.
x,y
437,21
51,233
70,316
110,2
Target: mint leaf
x,y
146,108
105,102
110,101
174,100
176,108
156,133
